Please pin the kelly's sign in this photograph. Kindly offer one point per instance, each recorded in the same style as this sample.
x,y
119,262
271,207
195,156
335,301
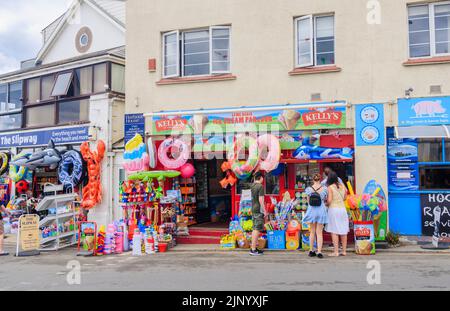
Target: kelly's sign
x,y
332,117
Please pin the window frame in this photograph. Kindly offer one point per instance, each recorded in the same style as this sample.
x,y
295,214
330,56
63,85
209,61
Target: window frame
x,y
432,29
181,56
166,34
211,29
72,74
313,34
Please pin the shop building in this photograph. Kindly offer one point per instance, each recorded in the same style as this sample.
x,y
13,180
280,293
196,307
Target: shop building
x,y
194,63
72,92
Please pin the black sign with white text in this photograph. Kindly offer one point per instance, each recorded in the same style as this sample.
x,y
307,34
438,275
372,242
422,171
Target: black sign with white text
x,y
435,209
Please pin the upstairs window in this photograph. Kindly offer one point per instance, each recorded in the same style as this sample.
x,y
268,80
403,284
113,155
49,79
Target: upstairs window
x,y
429,30
315,41
197,52
11,106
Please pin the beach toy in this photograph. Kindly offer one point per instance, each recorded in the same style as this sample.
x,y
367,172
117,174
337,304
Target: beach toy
x,y
350,188
48,157
273,154
148,176
71,169
92,192
173,163
187,170
18,172
22,186
153,161
243,169
135,157
4,160
230,179
279,170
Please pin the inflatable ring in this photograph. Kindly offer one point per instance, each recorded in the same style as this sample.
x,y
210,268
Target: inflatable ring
x,y
274,152
165,147
4,161
242,169
71,169
16,173
154,174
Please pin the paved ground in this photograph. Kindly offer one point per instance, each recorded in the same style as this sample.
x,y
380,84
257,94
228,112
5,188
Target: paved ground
x,y
212,270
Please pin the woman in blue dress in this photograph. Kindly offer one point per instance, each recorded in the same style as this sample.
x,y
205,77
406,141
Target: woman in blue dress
x,y
316,216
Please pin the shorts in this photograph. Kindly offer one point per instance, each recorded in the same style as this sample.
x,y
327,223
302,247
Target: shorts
x,y
2,228
258,222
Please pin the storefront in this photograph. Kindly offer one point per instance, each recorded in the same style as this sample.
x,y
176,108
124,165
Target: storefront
x,y
418,153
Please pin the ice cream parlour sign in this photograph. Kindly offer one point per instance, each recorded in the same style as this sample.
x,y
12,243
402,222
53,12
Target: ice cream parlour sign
x,y
251,121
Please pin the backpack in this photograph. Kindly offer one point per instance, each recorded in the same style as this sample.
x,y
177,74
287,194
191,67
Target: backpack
x,y
315,199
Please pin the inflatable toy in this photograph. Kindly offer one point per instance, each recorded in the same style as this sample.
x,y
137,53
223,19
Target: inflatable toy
x,y
92,192
147,176
48,157
18,172
4,163
152,153
22,187
272,144
312,152
279,170
230,179
243,169
136,158
71,169
166,146
187,170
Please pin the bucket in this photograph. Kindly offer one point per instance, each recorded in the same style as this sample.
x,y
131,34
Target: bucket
x,y
364,237
162,247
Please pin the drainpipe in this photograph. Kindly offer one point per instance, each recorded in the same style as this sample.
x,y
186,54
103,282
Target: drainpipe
x,y
110,154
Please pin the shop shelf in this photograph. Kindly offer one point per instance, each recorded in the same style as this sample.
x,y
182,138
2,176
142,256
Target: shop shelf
x,y
48,201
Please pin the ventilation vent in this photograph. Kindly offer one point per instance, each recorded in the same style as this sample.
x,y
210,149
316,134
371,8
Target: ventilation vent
x,y
435,89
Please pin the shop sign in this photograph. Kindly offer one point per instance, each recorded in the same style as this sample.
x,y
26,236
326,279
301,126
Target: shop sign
x,y
435,214
134,124
253,121
403,168
59,136
370,125
28,233
424,111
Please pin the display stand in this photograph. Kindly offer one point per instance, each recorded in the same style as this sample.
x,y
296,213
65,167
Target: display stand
x,y
188,191
58,202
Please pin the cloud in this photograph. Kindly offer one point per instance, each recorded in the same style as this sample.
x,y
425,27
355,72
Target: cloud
x,y
20,28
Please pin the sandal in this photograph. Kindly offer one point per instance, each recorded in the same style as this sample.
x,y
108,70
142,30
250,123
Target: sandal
x,y
4,254
320,255
312,254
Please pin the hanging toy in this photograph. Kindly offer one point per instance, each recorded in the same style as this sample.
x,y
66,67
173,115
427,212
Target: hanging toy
x,y
92,192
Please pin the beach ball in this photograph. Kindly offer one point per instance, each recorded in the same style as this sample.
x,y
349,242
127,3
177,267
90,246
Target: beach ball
x,y
22,186
187,170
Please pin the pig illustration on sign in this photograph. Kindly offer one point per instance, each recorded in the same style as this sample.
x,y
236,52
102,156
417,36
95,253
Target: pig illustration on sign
x,y
428,108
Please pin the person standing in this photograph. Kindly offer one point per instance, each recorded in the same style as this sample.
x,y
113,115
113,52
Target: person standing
x,y
338,222
327,170
316,215
258,212
2,228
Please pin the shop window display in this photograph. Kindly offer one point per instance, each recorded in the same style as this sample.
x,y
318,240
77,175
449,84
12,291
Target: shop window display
x,y
435,177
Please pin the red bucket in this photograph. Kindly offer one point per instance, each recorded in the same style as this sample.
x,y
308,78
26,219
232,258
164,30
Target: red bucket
x,y
162,247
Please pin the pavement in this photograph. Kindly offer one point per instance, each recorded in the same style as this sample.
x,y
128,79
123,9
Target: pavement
x,y
201,267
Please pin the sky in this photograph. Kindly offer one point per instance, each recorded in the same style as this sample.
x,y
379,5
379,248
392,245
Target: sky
x,y
21,23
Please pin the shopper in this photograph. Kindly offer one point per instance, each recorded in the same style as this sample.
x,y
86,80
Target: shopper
x,y
2,210
258,212
316,215
338,223
326,172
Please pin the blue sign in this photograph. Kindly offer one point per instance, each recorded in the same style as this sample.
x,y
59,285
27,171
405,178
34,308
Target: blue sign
x,y
424,111
370,125
60,136
134,124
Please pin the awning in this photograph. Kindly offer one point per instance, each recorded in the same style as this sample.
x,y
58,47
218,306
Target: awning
x,y
436,131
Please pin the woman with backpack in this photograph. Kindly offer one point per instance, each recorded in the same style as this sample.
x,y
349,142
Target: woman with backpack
x,y
338,223
316,215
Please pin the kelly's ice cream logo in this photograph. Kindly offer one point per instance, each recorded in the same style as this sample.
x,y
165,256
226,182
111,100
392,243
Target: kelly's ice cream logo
x,y
362,232
167,124
322,116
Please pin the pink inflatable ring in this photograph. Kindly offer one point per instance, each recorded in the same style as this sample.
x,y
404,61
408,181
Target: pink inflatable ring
x,y
273,152
164,149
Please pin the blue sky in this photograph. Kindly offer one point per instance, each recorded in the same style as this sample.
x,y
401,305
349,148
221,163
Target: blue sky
x,y
21,22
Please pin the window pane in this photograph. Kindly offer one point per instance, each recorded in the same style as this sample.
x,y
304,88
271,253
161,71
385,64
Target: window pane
x,y
434,178
15,95
74,111
33,92
10,122
62,84
196,53
220,50
40,116
47,86
304,42
170,55
100,78
447,150
430,150
325,40
3,105
118,78
272,184
83,81
419,31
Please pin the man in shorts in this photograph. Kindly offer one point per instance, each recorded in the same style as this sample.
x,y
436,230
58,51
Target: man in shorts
x,y
2,210
258,212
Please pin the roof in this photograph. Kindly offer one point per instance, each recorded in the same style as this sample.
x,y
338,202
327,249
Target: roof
x,y
115,52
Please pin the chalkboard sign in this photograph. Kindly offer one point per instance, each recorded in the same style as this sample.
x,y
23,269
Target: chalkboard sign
x,y
435,209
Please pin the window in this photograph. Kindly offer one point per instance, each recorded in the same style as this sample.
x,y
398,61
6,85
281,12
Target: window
x,y
62,84
46,87
41,115
434,177
118,78
272,184
10,121
33,90
15,95
429,30
3,98
197,52
10,106
73,111
430,150
83,81
100,72
314,41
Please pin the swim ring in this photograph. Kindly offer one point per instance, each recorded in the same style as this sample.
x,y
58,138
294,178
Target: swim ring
x,y
4,162
71,169
166,146
272,144
17,173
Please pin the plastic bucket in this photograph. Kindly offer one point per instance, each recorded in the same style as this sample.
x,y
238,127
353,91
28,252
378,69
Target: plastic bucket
x,y
162,247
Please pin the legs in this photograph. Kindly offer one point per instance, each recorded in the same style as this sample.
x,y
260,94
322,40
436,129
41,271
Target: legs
x,y
312,236
344,244
319,233
335,239
255,237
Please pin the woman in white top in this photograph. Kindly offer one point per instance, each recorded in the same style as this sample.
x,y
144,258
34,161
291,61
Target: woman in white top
x,y
338,222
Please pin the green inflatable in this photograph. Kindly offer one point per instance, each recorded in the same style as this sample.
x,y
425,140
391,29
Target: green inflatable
x,y
154,174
